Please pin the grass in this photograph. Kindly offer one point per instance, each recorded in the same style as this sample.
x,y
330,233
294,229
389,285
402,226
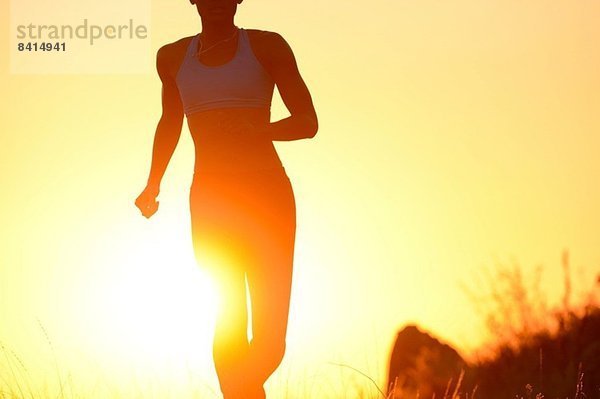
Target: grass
x,y
540,353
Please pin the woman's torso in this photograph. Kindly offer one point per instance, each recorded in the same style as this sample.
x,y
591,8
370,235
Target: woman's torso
x,y
216,150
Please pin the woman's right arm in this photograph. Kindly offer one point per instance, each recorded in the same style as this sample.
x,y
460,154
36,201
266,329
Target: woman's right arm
x,y
169,126
167,133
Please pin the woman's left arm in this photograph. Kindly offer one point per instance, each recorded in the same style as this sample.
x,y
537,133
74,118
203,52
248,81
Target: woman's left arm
x,y
281,65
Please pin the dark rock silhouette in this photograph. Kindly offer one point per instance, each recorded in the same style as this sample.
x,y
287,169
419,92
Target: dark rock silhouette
x,y
421,363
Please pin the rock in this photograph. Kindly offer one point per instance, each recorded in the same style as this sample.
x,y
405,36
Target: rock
x,y
421,364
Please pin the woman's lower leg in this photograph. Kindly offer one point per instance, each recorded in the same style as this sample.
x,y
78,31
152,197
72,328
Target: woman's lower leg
x,y
230,342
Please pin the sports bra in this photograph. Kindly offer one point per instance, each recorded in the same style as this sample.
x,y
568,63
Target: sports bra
x,y
241,82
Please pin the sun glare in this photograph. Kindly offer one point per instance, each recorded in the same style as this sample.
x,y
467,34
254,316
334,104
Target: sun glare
x,y
154,302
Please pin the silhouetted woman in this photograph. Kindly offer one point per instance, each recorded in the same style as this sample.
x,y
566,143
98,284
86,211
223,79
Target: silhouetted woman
x,y
243,210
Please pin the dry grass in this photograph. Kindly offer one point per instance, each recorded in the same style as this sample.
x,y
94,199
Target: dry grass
x,y
538,353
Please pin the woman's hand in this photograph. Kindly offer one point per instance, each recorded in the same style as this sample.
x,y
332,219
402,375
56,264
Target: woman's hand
x,y
146,201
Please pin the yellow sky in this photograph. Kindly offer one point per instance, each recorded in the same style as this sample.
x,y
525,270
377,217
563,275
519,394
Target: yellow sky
x,y
451,134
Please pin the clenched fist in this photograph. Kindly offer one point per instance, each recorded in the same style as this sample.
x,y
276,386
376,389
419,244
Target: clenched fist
x,y
146,201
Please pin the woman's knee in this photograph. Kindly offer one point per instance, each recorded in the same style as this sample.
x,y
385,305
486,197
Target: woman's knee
x,y
272,350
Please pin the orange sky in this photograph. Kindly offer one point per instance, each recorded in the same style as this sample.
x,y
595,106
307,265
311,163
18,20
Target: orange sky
x,y
451,134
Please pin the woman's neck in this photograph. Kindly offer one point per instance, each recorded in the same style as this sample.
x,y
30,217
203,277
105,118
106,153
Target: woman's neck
x,y
213,32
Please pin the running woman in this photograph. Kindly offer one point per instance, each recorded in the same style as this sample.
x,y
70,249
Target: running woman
x,y
242,206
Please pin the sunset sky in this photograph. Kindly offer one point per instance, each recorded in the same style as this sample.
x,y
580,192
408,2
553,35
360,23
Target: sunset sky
x,y
453,135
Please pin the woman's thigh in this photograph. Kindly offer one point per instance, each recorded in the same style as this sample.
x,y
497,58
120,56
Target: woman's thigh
x,y
270,262
243,221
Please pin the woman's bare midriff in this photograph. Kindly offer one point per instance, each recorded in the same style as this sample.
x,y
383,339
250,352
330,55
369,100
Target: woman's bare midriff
x,y
218,151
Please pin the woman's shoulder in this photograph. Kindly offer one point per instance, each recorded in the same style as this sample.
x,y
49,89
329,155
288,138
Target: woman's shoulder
x,y
175,46
170,55
264,36
268,46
